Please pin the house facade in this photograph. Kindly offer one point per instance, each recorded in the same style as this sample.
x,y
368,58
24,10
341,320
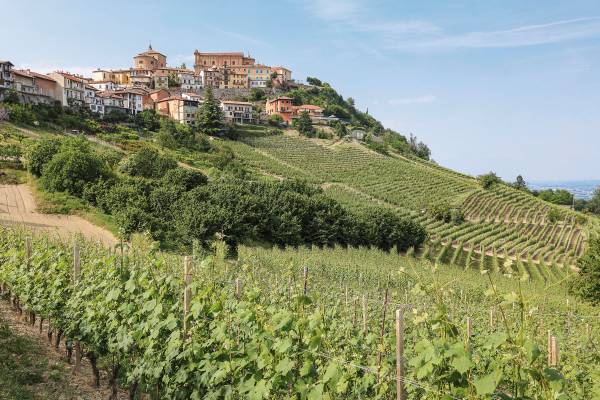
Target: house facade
x,y
112,102
93,102
258,76
239,112
34,88
70,88
180,109
6,74
150,60
208,60
281,106
132,99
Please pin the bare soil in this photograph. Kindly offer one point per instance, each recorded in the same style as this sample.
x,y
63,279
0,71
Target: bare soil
x,y
17,206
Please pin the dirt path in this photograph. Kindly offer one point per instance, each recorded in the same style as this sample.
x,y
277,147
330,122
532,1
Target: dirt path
x,y
17,206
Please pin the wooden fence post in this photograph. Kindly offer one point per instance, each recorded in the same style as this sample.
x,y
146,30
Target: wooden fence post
x,y
76,278
187,291
549,348
364,312
305,273
399,355
238,288
491,317
469,332
555,356
28,250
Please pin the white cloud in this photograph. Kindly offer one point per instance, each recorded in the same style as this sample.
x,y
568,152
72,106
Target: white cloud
x,y
529,35
335,10
412,100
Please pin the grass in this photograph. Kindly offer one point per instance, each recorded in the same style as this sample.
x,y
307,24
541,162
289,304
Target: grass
x,y
65,204
24,372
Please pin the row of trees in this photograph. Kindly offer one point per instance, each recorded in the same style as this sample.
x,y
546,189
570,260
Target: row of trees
x,y
147,191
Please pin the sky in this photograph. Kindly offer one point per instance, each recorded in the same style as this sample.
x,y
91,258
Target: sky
x,y
511,86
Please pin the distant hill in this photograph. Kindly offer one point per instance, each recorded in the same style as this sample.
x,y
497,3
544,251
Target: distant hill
x,y
580,189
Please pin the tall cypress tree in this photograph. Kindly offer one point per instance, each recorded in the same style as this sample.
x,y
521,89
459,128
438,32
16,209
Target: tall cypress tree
x,y
209,115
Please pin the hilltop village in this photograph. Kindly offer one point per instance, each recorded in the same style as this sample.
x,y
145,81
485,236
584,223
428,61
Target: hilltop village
x,y
175,92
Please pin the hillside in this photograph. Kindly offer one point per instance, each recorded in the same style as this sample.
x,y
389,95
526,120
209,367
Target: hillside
x,y
499,221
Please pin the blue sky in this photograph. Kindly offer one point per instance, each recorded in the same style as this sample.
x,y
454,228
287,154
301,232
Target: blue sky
x,y
509,86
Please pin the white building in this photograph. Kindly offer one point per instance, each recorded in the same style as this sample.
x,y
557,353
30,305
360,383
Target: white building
x,y
5,74
237,111
112,102
71,88
188,80
94,103
104,85
132,99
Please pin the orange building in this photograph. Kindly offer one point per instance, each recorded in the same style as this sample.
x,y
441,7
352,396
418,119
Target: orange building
x,y
207,60
150,60
281,106
35,88
180,109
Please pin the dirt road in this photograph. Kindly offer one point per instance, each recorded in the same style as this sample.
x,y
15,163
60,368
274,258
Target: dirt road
x,y
17,206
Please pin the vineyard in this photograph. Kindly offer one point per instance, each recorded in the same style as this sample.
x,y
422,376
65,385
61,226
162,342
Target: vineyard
x,y
501,222
307,323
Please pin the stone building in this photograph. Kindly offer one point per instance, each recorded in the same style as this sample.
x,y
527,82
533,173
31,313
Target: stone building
x,y
233,59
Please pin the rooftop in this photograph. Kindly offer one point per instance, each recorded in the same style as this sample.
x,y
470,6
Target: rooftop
x,y
30,74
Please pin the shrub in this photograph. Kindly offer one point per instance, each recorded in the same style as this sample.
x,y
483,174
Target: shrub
x,y
488,180
185,178
71,169
554,215
40,153
147,163
275,120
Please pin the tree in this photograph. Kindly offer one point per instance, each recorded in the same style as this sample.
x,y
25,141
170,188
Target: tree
x,y
594,203
183,66
147,119
39,154
304,125
275,119
314,81
520,183
209,116
257,94
11,97
74,166
488,180
350,101
147,163
339,129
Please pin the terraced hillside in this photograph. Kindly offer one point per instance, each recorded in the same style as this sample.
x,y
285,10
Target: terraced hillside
x,y
501,223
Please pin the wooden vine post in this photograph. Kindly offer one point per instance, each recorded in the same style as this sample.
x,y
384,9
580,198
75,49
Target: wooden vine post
x,y
549,348
399,355
469,333
380,355
187,291
238,288
76,278
364,313
554,347
305,273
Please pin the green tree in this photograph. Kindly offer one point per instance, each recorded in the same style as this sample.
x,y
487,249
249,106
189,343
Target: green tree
x,y
304,125
594,203
40,153
11,97
488,180
209,116
147,163
257,94
520,183
147,119
74,166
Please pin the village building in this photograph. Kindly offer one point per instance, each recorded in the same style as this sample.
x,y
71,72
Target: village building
x,y
152,97
234,78
112,101
132,99
283,74
150,60
70,89
193,96
281,106
34,88
237,111
93,102
6,75
258,76
103,85
211,77
207,60
178,108
314,112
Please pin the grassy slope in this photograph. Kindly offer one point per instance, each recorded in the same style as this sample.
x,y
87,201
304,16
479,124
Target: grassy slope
x,y
501,221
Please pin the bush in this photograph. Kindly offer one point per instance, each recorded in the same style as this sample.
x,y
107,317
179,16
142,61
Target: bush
x,y
71,169
147,163
185,178
488,180
443,212
554,215
275,120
